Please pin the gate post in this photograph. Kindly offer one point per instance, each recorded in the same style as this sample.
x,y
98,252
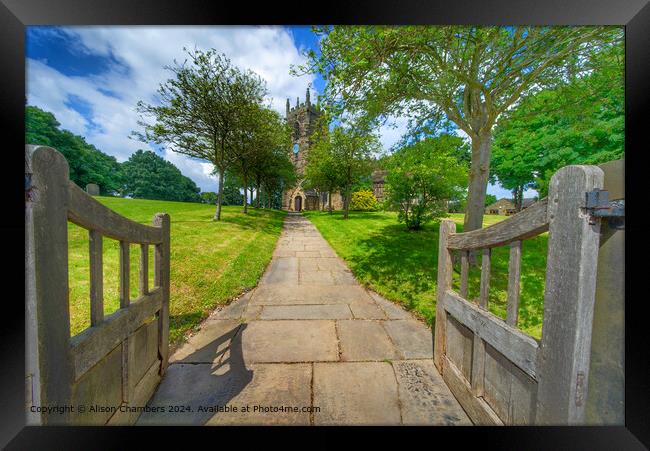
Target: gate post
x,y
161,279
605,403
445,270
48,361
565,347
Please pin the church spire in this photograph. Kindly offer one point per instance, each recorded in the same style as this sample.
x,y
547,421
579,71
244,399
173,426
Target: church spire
x,y
288,107
307,98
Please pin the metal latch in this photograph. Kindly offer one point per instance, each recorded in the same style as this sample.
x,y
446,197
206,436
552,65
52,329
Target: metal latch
x,y
599,207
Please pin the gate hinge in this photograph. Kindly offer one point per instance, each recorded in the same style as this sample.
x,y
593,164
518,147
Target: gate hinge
x,y
598,206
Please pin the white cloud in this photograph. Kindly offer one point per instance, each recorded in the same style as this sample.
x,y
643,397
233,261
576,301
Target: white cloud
x,y
138,54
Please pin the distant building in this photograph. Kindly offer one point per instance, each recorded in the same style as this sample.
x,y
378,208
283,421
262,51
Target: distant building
x,y
303,119
507,206
378,180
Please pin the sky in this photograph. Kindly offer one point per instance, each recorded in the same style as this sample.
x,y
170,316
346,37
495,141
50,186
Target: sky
x,y
91,79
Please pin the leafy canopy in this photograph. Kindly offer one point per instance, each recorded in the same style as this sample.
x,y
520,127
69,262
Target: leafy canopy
x,y
87,163
421,177
149,176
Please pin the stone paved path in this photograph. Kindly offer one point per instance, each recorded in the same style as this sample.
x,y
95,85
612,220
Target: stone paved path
x,y
308,336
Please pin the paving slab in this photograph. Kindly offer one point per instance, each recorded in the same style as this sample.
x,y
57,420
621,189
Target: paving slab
x,y
288,341
362,340
355,393
367,311
316,278
392,310
343,278
424,397
233,310
276,395
281,270
327,311
412,338
308,294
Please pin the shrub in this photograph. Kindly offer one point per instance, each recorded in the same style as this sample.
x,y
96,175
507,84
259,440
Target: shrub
x,y
363,200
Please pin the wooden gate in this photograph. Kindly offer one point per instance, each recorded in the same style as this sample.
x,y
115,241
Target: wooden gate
x,y
499,374
114,366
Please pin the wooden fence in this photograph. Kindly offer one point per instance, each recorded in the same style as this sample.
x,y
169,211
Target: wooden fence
x,y
499,374
118,361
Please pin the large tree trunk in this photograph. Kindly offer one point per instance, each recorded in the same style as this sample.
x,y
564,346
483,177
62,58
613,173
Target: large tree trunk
x,y
329,199
257,199
478,181
348,195
217,216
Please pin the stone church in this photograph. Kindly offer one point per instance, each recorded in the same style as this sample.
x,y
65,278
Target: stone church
x,y
303,119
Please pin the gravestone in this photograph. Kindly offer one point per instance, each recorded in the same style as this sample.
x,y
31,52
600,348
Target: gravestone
x,y
92,189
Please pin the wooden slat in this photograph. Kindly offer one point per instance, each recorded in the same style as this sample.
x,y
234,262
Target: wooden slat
x,y
514,276
87,212
478,365
96,278
485,279
93,344
528,223
568,298
518,347
464,273
445,269
161,263
144,269
125,274
477,409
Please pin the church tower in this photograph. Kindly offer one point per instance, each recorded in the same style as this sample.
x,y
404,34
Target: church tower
x,y
302,119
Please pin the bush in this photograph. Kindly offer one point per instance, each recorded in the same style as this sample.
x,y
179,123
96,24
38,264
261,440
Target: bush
x,y
363,200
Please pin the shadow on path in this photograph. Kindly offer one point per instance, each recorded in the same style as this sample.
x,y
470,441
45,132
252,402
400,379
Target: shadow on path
x,y
195,386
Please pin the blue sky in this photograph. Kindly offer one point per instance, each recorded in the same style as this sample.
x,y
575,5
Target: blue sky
x,y
92,77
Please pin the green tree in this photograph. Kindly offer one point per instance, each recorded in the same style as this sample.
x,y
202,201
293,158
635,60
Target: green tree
x,y
201,110
465,74
421,177
490,199
149,176
209,197
87,163
321,171
581,122
346,154
231,189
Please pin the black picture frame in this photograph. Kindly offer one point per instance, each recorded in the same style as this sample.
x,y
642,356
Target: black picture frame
x,y
15,15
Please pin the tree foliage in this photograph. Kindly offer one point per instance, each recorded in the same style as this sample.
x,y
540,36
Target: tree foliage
x,y
87,164
149,176
581,122
465,74
339,158
421,177
203,109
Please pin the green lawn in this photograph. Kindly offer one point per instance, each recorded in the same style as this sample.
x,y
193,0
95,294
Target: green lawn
x,y
211,262
402,265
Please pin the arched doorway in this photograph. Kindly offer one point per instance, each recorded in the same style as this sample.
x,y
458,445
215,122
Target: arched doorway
x,y
297,203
